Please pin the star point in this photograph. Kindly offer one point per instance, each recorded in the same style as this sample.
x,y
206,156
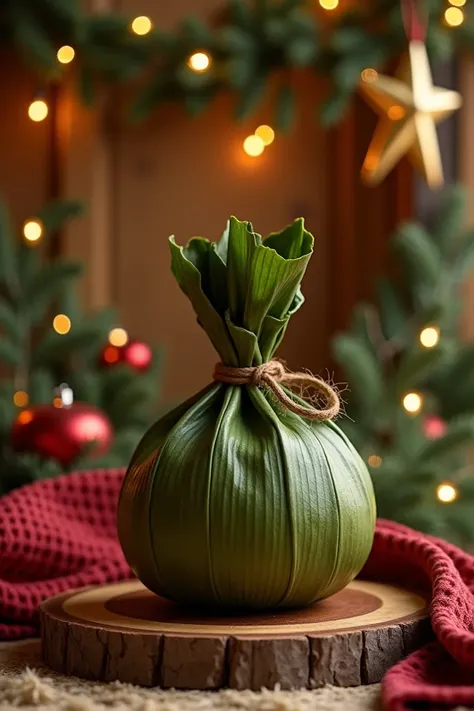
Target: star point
x,y
409,107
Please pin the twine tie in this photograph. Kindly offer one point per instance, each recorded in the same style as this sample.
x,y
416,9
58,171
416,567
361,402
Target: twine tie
x,y
273,375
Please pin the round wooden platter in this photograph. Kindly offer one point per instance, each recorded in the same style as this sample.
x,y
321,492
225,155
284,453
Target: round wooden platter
x,y
122,631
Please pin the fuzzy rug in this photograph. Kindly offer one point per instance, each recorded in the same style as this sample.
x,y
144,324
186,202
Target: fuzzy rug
x,y
26,684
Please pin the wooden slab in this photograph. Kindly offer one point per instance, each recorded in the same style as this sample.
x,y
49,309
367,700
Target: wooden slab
x,y
125,632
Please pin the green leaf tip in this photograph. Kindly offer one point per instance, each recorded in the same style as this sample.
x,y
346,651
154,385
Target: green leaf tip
x,y
244,288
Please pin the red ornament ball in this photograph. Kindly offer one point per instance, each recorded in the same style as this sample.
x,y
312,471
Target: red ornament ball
x,y
61,433
136,354
434,427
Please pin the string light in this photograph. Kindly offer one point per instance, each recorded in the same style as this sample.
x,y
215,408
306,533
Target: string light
x,y
38,110
141,25
329,4
62,324
369,75
65,54
111,354
447,493
412,402
253,146
454,16
458,3
20,398
25,417
199,61
396,112
118,337
33,230
374,461
429,336
266,133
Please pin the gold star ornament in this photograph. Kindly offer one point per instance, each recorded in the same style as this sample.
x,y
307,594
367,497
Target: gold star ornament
x,y
409,107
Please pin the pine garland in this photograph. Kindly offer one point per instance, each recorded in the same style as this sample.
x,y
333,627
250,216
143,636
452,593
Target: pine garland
x,y
249,43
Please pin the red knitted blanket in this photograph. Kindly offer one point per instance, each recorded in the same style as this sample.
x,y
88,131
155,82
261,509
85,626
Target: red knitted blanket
x,y
60,533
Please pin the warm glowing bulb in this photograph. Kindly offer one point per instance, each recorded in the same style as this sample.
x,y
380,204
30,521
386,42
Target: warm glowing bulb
x,y
20,398
458,3
111,354
32,230
62,324
38,110
446,493
65,54
396,112
199,61
141,25
57,402
429,337
329,4
454,16
369,74
374,461
25,417
254,146
266,133
412,402
118,337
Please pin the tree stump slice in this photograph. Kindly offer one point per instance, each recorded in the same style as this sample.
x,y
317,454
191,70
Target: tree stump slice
x,y
124,632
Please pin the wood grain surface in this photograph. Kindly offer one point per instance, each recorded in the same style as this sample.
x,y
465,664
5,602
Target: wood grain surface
x,y
124,632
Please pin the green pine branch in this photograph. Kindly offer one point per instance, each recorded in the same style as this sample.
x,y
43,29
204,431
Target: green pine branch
x,y
250,42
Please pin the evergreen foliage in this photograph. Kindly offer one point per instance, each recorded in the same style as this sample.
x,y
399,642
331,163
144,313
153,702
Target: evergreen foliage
x,y
35,359
250,41
383,360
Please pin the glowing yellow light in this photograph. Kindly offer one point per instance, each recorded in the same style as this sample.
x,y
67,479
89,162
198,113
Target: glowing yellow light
x,y
446,493
20,398
454,16
57,402
369,74
38,110
458,3
412,402
62,324
118,337
65,54
329,4
32,230
396,112
199,61
429,337
141,25
374,461
254,146
266,133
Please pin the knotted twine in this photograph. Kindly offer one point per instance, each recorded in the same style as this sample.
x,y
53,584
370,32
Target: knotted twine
x,y
273,373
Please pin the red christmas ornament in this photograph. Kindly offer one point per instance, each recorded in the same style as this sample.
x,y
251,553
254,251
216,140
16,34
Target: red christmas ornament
x,y
434,427
61,431
136,354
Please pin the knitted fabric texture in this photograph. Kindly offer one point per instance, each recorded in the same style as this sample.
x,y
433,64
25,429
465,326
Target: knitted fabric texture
x,y
60,533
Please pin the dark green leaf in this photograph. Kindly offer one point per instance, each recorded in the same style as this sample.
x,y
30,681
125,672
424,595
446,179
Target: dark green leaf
x,y
251,97
10,320
10,353
285,109
54,214
301,51
41,386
